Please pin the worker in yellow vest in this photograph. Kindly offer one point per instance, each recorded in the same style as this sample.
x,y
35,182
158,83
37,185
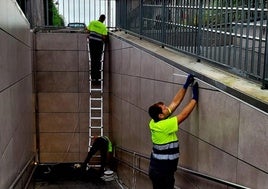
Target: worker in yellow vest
x,y
97,37
163,126
104,146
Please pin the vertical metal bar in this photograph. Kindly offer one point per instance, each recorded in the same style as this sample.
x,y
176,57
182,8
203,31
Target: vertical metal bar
x,y
265,66
73,11
124,9
235,62
183,25
225,42
214,30
180,22
141,18
84,12
109,13
79,11
210,27
63,10
99,8
220,33
163,23
68,6
247,36
187,27
241,36
230,20
199,29
177,22
47,13
94,5
192,26
261,28
231,35
252,65
207,9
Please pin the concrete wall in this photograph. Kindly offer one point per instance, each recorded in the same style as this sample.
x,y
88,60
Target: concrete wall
x,y
224,137
63,96
16,94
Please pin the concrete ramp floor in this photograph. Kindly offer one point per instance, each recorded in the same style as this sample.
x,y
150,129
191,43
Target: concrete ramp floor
x,y
60,176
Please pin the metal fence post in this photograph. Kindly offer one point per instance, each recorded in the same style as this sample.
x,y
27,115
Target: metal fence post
x,y
163,34
265,69
198,37
141,16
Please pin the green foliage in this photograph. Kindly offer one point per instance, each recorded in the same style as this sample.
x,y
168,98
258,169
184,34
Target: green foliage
x,y
57,19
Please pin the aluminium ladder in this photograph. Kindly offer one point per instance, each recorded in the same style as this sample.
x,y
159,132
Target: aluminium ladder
x,y
95,103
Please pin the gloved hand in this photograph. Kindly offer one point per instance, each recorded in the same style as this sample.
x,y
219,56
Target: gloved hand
x,y
195,91
189,80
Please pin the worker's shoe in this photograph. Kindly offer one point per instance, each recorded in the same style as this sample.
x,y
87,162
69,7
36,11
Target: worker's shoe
x,y
84,167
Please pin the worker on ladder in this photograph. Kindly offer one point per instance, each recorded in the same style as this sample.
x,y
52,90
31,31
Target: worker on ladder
x,y
97,37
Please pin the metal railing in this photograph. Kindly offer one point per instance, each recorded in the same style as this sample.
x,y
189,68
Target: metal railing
x,y
84,11
232,34
137,158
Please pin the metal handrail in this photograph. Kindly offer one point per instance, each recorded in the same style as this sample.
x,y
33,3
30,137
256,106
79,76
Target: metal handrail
x,y
19,176
230,35
192,172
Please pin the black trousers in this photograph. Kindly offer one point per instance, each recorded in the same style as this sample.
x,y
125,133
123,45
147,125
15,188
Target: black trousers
x,y
96,48
162,180
99,144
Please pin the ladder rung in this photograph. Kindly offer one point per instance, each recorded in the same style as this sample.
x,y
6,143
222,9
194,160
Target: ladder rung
x,y
95,98
96,127
95,118
96,108
96,89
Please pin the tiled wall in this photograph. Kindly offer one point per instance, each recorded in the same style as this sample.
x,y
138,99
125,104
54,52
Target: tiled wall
x,y
63,98
17,133
223,137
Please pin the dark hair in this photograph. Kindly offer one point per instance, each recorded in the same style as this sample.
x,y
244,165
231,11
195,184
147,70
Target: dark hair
x,y
102,18
155,110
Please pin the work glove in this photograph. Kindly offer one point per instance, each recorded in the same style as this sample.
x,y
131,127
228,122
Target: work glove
x,y
189,80
195,91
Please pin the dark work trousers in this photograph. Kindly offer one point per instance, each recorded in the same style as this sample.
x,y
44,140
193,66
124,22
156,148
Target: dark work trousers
x,y
162,180
99,144
96,48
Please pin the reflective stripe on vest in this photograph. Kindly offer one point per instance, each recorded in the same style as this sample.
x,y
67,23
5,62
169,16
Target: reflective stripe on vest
x,y
166,146
168,151
166,156
95,36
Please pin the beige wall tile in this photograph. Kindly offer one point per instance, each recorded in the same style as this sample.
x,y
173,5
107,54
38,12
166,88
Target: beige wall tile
x,y
59,157
58,122
58,102
57,81
56,41
250,176
253,140
59,142
57,60
83,61
219,126
216,163
15,60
